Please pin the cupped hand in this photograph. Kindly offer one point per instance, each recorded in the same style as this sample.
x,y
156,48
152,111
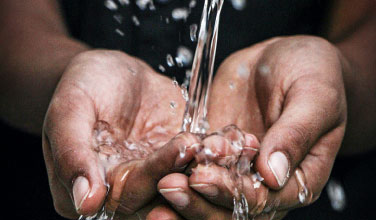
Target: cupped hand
x,y
109,113
289,93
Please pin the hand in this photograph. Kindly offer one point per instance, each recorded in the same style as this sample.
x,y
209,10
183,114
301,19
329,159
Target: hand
x,y
106,106
289,93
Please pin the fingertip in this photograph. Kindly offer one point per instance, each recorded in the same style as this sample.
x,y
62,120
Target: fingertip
x,y
88,195
174,180
251,141
162,213
274,168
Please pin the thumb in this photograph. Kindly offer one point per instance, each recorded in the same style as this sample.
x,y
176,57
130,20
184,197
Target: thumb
x,y
68,139
308,113
135,184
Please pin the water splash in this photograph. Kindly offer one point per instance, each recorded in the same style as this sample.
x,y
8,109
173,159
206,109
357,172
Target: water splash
x,y
184,54
239,4
202,68
135,20
336,194
195,117
110,4
180,14
112,151
170,60
193,32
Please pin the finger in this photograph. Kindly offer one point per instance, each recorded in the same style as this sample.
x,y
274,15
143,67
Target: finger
x,y
157,209
135,184
228,146
217,149
309,112
163,212
214,183
308,180
63,202
68,131
217,186
302,188
186,202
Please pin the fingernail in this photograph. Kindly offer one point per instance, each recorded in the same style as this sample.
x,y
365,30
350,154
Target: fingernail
x,y
185,155
207,189
279,165
176,196
80,191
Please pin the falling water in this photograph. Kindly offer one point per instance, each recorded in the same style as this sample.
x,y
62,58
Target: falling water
x,y
195,117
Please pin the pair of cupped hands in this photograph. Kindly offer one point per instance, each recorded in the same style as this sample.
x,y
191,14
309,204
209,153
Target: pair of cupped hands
x,y
285,94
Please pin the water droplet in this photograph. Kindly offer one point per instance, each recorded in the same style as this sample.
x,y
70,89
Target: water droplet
x,y
120,32
185,55
239,4
243,71
110,4
124,2
175,82
257,177
184,93
188,73
173,104
118,18
161,68
257,185
143,4
192,4
152,6
231,85
303,195
180,14
336,195
179,62
193,32
135,20
182,151
170,60
264,70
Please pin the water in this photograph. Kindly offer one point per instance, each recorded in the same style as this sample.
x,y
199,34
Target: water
x,y
112,152
195,117
202,69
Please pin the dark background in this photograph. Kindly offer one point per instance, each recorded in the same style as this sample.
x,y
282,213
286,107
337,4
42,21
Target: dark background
x,y
27,194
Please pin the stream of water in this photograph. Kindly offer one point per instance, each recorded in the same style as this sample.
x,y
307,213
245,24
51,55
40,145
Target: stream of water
x,y
195,117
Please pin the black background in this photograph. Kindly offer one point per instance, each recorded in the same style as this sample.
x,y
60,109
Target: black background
x,y
25,182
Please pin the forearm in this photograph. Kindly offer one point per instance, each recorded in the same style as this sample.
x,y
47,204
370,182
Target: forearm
x,y
359,50
34,54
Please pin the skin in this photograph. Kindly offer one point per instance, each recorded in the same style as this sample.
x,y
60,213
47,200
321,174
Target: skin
x,y
280,105
126,93
41,47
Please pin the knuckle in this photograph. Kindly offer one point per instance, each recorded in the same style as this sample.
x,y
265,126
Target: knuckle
x,y
297,139
126,209
60,158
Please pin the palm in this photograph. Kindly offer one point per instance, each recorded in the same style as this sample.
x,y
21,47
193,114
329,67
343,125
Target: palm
x,y
117,101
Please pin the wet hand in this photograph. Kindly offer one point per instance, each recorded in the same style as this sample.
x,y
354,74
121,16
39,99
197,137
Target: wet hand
x,y
289,93
205,194
107,105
